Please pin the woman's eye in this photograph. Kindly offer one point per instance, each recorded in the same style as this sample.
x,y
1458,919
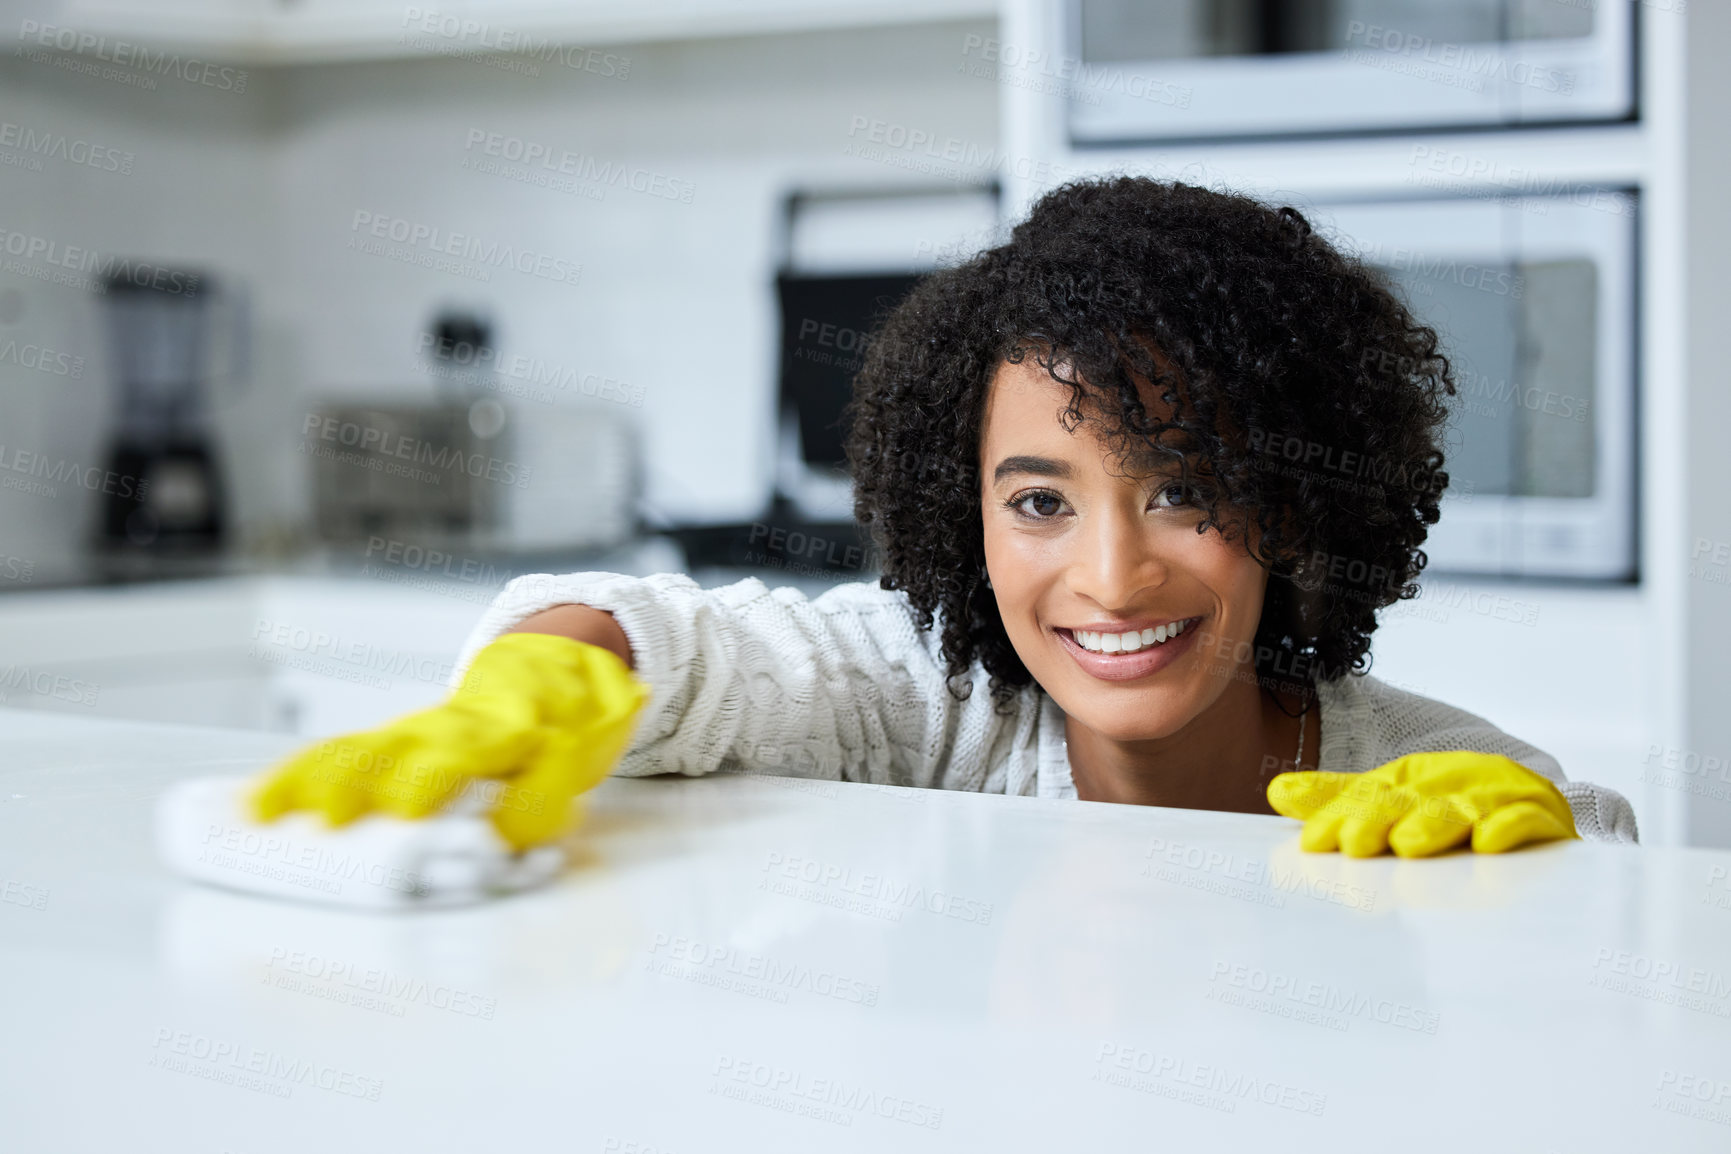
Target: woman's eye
x,y
1038,505
1177,495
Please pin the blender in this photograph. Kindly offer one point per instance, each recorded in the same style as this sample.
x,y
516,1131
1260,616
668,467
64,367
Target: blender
x,y
158,333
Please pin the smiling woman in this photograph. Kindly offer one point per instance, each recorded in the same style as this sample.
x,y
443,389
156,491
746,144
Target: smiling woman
x,y
1115,605
1107,575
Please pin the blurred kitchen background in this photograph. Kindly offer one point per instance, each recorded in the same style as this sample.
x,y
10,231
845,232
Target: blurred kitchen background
x,y
320,320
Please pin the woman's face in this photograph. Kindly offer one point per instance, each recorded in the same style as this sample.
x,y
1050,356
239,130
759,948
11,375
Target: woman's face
x,y
1082,555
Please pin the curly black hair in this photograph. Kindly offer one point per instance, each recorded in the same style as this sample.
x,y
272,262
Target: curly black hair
x,y
1304,400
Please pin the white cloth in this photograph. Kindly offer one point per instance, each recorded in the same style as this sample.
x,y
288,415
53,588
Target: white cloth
x,y
376,862
847,686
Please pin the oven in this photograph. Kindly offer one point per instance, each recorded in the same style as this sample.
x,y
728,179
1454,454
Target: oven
x,y
1534,298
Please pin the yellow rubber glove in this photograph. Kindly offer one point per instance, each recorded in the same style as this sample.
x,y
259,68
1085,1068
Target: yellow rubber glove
x,y
545,717
1424,804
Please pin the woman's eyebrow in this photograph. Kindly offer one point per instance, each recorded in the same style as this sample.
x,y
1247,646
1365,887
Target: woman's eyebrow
x,y
1043,466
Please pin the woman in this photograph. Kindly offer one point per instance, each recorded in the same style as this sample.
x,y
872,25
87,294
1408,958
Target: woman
x,y
1140,478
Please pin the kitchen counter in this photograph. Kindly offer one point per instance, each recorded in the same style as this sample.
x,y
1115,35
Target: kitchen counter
x,y
763,964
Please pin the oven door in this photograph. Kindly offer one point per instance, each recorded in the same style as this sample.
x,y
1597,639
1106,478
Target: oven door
x,y
1534,298
1144,70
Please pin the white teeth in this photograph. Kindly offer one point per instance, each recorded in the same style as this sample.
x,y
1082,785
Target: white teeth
x,y
1126,642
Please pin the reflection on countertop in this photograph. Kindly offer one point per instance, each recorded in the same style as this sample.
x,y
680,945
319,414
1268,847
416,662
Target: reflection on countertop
x,y
421,565
313,646
415,566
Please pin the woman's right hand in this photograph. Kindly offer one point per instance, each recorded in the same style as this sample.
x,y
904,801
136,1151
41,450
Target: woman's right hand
x,y
545,717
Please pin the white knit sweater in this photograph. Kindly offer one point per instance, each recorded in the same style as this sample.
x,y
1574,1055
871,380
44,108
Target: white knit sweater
x,y
847,686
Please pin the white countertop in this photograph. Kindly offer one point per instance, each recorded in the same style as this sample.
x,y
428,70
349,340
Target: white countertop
x,y
765,965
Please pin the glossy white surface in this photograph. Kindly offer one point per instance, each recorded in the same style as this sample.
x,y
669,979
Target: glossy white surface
x,y
762,964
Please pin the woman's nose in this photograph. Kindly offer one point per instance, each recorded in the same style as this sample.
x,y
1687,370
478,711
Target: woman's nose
x,y
1115,560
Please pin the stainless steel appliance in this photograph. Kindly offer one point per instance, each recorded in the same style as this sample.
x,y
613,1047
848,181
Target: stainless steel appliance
x,y
476,474
1534,298
1143,70
556,470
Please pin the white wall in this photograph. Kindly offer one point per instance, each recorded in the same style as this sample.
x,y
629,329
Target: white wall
x,y
675,300
191,188
1706,599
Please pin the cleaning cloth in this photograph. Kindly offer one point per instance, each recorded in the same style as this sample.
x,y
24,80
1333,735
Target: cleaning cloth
x,y
203,832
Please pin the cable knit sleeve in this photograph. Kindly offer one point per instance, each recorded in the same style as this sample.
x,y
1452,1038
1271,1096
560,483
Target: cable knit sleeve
x,y
844,686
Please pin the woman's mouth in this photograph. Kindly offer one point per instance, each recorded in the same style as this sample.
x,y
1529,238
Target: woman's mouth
x,y
1127,654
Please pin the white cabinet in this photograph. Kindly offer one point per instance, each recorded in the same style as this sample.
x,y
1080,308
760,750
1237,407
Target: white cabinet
x,y
264,32
311,656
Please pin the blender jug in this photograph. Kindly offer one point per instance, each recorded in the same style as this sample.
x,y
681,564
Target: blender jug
x,y
161,449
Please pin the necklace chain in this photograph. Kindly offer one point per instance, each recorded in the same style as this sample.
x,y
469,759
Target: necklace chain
x,y
1298,762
